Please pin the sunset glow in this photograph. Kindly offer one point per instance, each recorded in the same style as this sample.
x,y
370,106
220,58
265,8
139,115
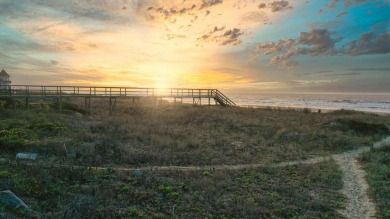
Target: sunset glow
x,y
242,45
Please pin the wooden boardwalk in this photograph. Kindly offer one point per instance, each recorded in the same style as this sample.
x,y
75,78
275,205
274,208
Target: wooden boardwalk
x,y
29,92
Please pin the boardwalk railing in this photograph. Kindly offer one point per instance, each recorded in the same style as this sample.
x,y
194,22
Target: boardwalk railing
x,y
27,91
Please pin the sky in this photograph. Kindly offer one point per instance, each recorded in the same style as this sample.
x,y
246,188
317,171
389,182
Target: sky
x,y
232,45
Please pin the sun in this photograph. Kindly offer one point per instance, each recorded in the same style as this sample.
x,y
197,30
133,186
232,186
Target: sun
x,y
161,82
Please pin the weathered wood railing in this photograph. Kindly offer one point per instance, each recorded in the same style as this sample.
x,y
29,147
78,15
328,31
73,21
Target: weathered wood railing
x,y
59,92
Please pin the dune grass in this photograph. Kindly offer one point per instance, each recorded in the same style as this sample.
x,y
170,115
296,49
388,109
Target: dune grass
x,y
376,163
175,134
186,135
292,192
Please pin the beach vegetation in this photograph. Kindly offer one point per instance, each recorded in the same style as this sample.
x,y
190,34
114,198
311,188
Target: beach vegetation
x,y
64,182
376,164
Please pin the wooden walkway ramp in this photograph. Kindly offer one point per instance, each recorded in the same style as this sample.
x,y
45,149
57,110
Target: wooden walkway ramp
x,y
29,92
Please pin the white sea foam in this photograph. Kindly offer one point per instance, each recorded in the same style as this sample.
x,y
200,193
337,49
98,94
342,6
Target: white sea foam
x,y
379,103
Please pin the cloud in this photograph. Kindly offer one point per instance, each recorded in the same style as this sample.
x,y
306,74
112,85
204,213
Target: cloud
x,y
369,43
342,14
268,48
346,3
289,64
254,17
323,71
209,34
313,43
262,5
169,12
209,3
176,36
276,6
319,41
231,37
53,62
279,5
369,69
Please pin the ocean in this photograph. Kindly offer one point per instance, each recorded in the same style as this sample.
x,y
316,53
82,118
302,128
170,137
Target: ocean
x,y
368,102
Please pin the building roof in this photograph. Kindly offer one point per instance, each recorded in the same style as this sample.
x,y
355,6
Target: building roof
x,y
4,73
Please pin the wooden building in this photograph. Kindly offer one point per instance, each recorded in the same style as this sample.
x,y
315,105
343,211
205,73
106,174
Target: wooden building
x,y
5,82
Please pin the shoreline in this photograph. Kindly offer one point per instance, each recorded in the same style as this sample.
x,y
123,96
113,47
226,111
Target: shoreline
x,y
312,109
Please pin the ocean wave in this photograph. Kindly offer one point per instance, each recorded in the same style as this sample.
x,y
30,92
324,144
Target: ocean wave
x,y
326,102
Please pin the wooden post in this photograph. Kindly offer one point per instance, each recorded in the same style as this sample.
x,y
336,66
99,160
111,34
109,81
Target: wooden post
x,y
60,104
60,101
112,104
88,105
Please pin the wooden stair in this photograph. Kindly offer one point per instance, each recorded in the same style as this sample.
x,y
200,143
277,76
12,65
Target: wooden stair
x,y
221,99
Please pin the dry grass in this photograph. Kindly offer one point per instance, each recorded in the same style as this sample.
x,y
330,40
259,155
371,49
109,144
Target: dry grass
x,y
180,135
186,135
292,192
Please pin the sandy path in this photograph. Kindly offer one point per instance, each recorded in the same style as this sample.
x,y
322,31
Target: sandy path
x,y
355,189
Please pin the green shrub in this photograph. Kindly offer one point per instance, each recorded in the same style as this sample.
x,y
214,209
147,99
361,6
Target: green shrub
x,y
13,138
47,128
18,133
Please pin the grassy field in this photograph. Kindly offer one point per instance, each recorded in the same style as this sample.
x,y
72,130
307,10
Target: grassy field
x,y
376,163
183,135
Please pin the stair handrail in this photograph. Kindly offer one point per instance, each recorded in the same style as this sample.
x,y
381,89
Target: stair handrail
x,y
224,98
